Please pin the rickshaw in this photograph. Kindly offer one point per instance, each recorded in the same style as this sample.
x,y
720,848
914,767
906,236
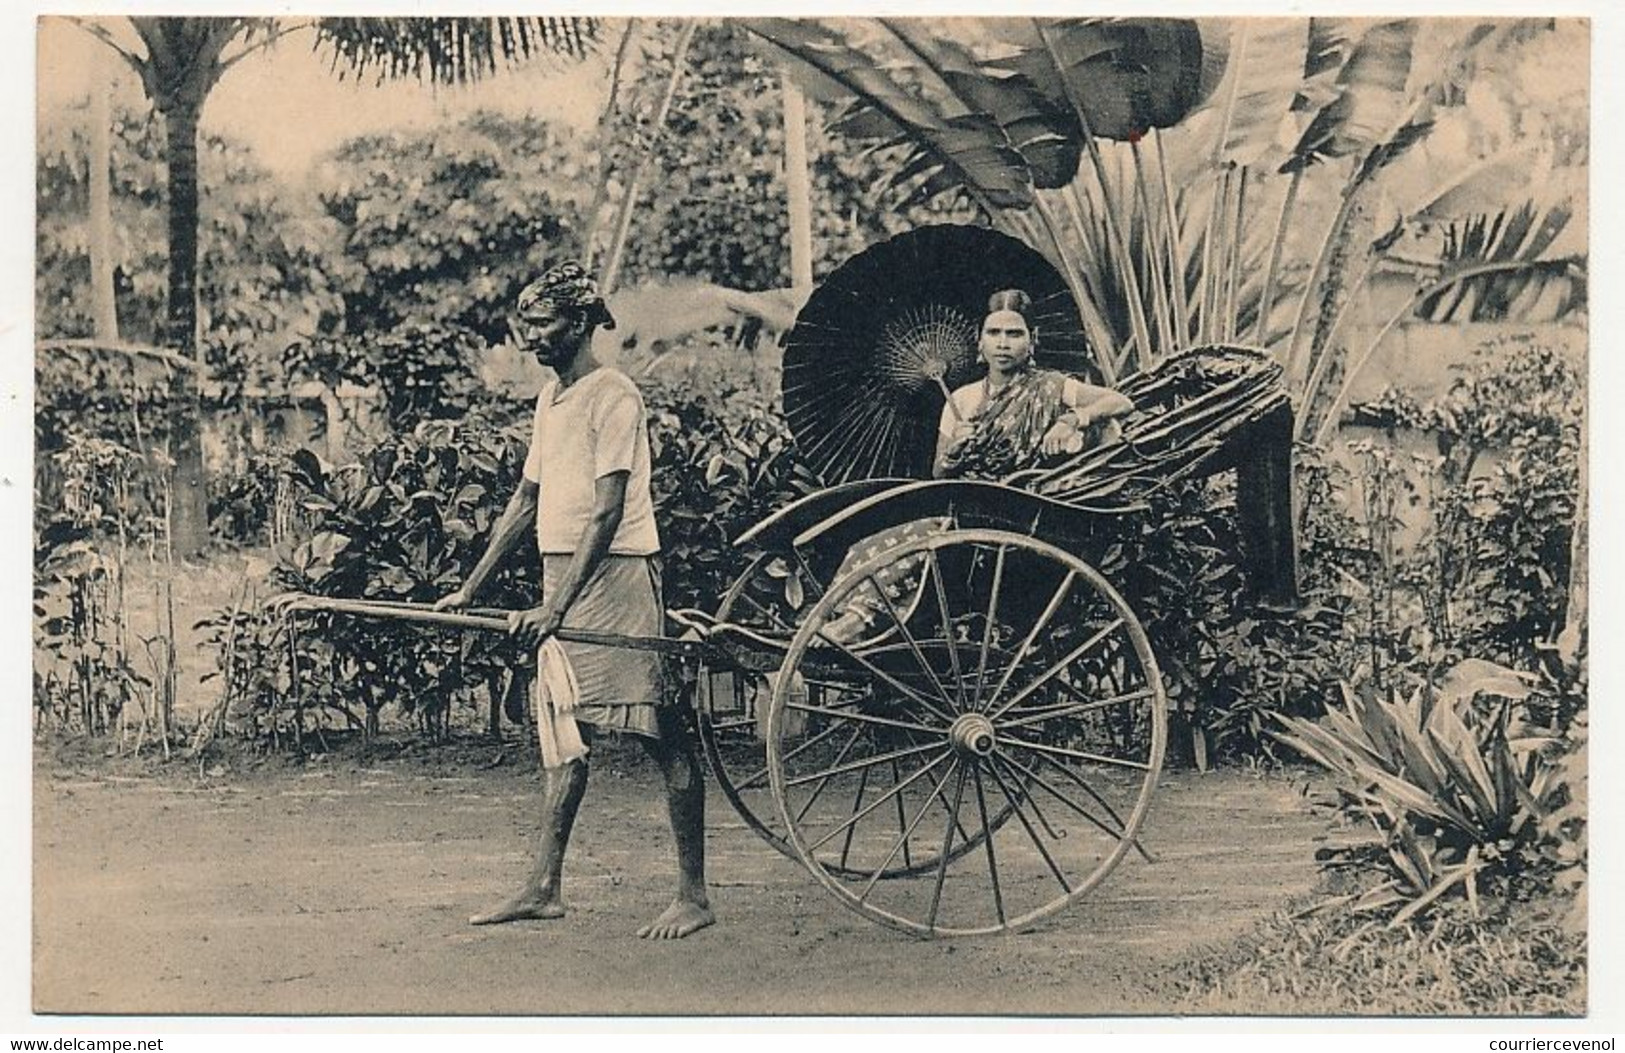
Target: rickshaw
x,y
924,690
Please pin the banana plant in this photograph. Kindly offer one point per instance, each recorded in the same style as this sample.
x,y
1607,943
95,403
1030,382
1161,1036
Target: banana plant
x,y
1162,163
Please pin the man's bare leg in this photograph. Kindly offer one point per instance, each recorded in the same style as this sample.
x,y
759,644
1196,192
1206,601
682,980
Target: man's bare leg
x,y
685,800
562,790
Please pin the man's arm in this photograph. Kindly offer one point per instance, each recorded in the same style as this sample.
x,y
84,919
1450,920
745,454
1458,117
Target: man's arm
x,y
609,505
517,521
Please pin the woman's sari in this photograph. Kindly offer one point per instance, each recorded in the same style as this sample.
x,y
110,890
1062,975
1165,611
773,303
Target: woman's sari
x,y
1006,435
1008,431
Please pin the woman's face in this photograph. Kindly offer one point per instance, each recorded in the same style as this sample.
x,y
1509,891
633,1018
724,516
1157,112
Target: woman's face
x,y
1006,341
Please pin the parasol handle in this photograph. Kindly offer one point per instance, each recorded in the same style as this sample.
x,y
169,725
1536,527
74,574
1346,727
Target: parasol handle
x,y
947,395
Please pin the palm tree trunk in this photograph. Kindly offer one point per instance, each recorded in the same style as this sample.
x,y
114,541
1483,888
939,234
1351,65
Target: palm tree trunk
x,y
798,188
611,273
606,135
104,305
189,522
1571,639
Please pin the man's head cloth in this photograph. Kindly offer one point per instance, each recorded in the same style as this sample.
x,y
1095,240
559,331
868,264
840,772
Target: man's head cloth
x,y
567,290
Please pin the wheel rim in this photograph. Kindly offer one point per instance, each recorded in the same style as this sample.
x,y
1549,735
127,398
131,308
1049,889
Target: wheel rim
x,y
1015,682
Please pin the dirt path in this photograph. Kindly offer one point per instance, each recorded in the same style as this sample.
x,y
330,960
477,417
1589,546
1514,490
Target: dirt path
x,y
344,888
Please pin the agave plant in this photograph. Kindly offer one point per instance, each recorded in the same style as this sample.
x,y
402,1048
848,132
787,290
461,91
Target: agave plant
x,y
1454,788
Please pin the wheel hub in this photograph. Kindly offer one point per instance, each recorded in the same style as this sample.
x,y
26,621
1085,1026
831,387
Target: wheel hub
x,y
972,735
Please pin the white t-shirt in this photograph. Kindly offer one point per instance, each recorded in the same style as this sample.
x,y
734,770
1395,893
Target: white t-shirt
x,y
579,434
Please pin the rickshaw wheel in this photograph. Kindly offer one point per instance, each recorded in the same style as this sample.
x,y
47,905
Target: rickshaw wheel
x,y
1010,677
771,597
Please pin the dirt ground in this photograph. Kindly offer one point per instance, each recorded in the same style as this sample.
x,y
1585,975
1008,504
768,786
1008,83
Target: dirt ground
x,y
343,887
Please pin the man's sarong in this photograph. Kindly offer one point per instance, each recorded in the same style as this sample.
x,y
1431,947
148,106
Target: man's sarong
x,y
618,688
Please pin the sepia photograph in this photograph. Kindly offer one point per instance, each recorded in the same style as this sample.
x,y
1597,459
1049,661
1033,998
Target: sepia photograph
x,y
973,516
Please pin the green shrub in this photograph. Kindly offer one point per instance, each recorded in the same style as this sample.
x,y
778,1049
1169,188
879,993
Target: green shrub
x,y
410,519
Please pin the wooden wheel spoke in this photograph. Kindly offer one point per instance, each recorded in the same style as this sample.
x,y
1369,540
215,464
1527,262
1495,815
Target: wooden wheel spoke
x,y
1105,805
1087,815
807,573
842,769
897,777
772,615
943,799
895,683
947,848
1062,751
761,773
812,798
858,817
1055,832
1037,715
1026,824
1055,670
987,628
857,802
987,842
864,718
947,626
1061,592
913,644
913,825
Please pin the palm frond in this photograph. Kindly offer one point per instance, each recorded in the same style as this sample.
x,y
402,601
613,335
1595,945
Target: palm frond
x,y
450,50
1370,90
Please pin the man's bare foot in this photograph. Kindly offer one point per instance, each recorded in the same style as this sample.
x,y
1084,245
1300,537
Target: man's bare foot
x,y
522,907
680,919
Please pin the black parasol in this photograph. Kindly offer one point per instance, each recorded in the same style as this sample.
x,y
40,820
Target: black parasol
x,y
878,344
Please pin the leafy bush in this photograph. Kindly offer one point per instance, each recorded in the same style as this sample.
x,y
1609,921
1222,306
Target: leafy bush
x,y
422,370
84,673
253,503
723,460
1459,790
1230,668
442,228
410,519
1493,568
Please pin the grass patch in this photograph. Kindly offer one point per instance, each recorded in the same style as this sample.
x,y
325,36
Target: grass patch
x,y
1514,959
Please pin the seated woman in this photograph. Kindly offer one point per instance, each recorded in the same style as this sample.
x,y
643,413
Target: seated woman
x,y
1019,413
